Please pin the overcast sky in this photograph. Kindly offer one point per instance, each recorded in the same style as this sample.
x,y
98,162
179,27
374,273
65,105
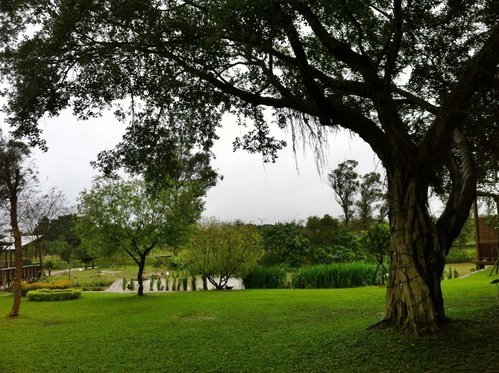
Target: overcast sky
x,y
290,189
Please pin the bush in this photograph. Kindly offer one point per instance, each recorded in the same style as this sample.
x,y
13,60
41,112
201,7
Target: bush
x,y
337,275
97,285
265,278
42,295
457,255
62,284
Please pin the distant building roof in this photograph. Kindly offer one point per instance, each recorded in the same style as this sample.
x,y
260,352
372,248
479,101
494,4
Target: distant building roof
x,y
25,240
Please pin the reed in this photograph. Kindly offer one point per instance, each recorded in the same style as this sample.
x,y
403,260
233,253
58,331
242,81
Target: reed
x,y
265,278
336,275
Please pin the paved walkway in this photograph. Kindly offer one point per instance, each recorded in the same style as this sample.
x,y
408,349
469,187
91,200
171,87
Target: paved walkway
x,y
117,286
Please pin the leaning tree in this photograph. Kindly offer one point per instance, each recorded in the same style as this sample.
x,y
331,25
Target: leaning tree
x,y
16,177
416,80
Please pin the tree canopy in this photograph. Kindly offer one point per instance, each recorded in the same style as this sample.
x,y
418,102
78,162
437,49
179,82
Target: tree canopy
x,y
416,80
118,215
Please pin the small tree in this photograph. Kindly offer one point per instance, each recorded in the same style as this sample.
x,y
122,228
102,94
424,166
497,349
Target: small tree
x,y
66,252
221,251
125,215
15,178
344,182
376,242
36,212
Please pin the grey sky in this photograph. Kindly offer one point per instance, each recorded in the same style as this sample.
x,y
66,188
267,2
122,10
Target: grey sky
x,y
251,190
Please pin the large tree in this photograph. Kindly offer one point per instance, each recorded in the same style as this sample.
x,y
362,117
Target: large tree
x,y
415,79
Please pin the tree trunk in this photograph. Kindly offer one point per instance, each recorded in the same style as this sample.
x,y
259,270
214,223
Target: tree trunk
x,y
142,264
19,257
205,283
414,297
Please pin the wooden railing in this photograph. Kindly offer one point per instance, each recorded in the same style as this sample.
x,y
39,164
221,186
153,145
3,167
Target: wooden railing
x,y
488,250
30,273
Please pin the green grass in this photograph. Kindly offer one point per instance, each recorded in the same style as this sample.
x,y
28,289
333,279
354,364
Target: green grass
x,y
102,275
252,330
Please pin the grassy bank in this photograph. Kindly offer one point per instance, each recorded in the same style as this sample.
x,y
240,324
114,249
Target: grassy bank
x,y
253,330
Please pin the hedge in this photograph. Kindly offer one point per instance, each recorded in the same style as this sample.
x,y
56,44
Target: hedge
x,y
54,294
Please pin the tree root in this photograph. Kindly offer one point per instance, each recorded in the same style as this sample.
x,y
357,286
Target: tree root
x,y
433,328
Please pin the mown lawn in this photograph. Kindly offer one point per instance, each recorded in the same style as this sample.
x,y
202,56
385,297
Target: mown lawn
x,y
252,330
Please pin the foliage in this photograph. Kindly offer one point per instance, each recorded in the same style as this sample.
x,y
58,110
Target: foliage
x,y
461,255
44,295
336,275
263,277
220,251
118,215
346,246
284,243
321,231
376,242
343,180
153,150
466,236
371,196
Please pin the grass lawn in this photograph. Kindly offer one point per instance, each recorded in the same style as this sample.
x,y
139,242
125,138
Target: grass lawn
x,y
107,275
252,330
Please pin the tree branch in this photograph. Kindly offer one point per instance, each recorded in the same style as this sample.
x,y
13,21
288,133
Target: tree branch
x,y
337,48
453,112
464,178
394,46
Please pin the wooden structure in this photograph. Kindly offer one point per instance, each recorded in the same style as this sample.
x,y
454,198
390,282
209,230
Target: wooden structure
x,y
7,261
487,239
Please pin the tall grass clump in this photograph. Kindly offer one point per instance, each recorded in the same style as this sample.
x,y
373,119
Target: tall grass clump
x,y
265,278
336,275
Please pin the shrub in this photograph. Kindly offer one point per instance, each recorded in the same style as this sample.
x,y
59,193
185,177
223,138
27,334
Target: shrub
x,y
62,284
41,295
151,284
458,255
337,275
97,285
450,273
265,278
